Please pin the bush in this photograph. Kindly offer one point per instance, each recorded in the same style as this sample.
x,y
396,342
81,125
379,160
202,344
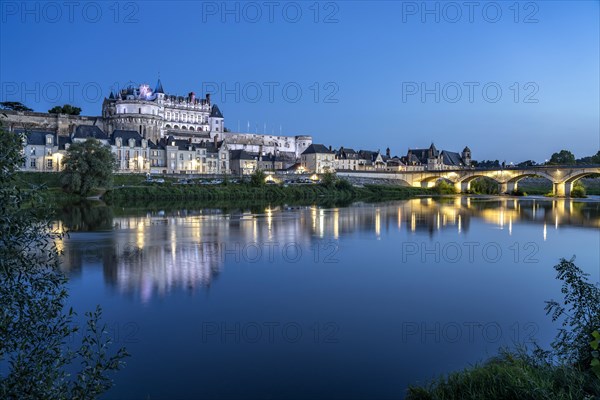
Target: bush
x,y
512,375
579,313
578,190
443,187
570,371
257,178
328,179
36,353
484,185
343,184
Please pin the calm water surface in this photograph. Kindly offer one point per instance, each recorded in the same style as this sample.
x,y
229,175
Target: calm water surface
x,y
310,302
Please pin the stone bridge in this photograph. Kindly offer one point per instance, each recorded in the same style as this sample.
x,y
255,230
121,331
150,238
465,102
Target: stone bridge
x,y
562,177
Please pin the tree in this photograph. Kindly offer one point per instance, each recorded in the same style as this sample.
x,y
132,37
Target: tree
x,y
258,178
595,159
486,164
563,157
528,163
87,165
35,327
14,106
579,312
66,109
328,179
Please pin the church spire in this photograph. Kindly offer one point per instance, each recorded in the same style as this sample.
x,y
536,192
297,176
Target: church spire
x,y
159,87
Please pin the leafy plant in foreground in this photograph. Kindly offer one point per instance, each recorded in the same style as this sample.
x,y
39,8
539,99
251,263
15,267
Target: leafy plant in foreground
x,y
35,327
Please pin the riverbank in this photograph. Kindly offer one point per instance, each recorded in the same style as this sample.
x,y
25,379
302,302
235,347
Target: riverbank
x,y
512,375
133,190
247,193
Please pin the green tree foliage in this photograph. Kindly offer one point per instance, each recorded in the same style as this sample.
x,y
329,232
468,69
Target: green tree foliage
x,y
595,159
328,179
87,165
66,109
595,345
444,187
528,163
563,157
35,327
578,190
484,185
258,178
579,313
486,164
14,106
343,184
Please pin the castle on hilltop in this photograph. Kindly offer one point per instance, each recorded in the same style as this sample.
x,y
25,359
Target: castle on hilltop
x,y
156,116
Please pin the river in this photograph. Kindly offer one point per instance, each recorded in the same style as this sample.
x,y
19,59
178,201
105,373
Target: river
x,y
315,302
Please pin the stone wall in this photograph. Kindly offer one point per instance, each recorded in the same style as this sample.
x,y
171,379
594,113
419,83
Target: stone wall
x,y
61,124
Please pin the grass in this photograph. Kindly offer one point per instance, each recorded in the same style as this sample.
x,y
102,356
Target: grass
x,y
512,375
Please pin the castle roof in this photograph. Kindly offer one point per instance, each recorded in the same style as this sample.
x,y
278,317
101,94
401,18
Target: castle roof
x,y
125,136
241,155
63,141
317,149
159,87
452,158
37,138
215,112
89,131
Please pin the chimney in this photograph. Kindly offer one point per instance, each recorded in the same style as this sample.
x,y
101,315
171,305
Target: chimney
x,y
208,98
329,147
388,152
260,152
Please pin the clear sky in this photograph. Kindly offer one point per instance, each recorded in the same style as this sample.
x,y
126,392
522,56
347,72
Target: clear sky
x,y
514,82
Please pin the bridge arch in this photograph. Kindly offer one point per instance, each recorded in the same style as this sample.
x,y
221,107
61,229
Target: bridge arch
x,y
464,184
565,188
431,181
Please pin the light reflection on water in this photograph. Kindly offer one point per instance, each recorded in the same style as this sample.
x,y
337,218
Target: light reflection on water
x,y
376,271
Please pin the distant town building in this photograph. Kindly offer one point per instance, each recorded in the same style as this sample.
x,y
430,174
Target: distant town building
x,y
434,159
318,159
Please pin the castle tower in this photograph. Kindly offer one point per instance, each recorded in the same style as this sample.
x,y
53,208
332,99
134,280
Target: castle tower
x,y
215,119
466,156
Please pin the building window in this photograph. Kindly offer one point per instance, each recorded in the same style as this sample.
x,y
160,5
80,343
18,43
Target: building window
x,y
172,155
32,163
181,156
32,152
49,163
49,140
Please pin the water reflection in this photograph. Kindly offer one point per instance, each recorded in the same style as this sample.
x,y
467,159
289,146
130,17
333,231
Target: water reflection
x,y
157,252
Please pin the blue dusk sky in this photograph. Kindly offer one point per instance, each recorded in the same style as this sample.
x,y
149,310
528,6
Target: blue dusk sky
x,y
514,81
